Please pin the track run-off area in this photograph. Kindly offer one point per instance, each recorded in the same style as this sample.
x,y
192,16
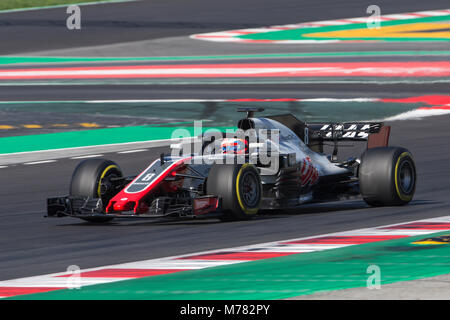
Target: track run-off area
x,y
119,88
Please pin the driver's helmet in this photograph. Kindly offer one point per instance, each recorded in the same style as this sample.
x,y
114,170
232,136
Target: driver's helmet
x,y
233,146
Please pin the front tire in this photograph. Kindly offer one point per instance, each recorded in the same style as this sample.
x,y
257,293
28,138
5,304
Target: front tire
x,y
387,176
87,180
239,187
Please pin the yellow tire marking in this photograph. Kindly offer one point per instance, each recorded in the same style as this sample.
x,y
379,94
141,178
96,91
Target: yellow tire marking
x,y
60,125
89,125
103,175
402,196
55,125
241,204
429,242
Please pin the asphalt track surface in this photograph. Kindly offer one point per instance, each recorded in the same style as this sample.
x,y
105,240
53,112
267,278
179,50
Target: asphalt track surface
x,y
32,31
32,245
229,91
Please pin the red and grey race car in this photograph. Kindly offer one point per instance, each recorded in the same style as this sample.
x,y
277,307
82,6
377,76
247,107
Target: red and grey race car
x,y
273,162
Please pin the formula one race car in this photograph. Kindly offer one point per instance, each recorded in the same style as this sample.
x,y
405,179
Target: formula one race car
x,y
274,162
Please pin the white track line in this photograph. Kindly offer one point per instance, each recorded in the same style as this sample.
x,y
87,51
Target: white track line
x,y
88,156
39,162
132,151
418,114
55,282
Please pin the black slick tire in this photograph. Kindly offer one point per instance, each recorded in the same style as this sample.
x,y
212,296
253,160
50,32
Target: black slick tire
x,y
387,176
239,188
87,179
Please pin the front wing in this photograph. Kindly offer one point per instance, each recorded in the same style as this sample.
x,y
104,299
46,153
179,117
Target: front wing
x,y
161,207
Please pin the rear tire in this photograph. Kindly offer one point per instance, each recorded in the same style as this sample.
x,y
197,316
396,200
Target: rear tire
x,y
239,187
87,179
387,176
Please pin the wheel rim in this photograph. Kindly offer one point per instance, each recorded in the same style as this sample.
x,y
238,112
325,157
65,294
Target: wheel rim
x,y
406,177
250,189
105,187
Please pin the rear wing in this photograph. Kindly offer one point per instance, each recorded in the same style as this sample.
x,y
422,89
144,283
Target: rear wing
x,y
310,132
350,131
316,134
375,133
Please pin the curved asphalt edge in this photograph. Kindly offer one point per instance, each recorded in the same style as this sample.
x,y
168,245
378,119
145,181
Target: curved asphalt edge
x,y
161,28
184,46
